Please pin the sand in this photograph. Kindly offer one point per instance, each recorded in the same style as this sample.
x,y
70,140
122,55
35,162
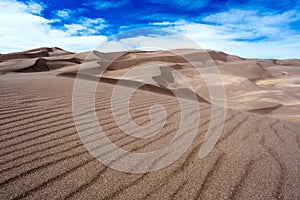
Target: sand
x,y
42,156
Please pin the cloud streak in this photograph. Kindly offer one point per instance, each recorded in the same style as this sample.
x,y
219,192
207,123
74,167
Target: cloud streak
x,y
103,5
186,4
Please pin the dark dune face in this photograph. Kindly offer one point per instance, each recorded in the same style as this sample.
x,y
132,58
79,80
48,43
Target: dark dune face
x,y
42,157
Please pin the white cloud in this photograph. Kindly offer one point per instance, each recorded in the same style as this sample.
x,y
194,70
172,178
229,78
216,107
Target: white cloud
x,y
64,13
166,23
86,26
35,8
73,29
69,14
22,28
161,23
151,42
80,43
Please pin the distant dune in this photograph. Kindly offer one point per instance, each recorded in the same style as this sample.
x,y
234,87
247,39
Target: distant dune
x,y
269,87
42,156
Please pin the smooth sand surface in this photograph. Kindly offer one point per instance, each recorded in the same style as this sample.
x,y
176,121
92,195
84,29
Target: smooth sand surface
x,y
42,156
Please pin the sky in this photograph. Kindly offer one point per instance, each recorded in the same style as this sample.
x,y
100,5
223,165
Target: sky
x,y
250,29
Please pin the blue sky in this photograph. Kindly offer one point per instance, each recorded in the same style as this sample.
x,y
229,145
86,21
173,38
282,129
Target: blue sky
x,y
254,28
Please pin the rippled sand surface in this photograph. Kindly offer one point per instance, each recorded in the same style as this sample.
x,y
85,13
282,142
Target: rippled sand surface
x,y
42,156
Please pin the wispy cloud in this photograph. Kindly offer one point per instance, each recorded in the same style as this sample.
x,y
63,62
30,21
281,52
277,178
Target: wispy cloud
x,y
263,5
244,32
65,13
251,24
86,26
186,4
68,15
166,23
102,5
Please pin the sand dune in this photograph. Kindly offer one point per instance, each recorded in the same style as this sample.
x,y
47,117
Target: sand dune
x,y
251,84
35,53
42,156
